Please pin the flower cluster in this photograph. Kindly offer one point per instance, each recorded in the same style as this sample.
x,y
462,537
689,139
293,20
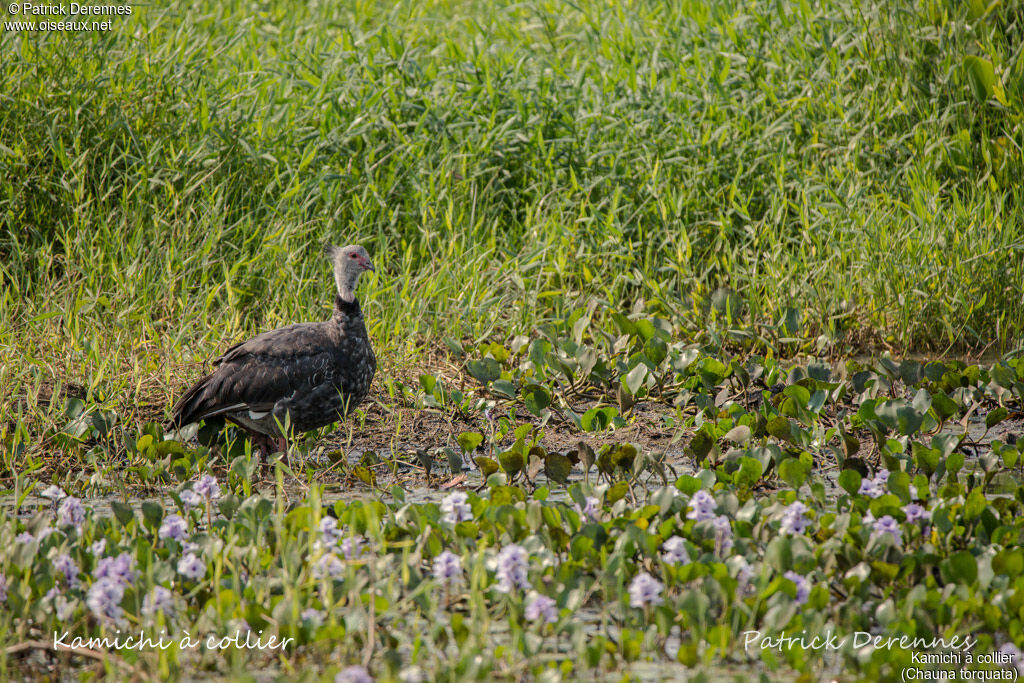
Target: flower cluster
x,y
64,565
541,608
885,524
328,566
174,527
71,513
455,509
793,520
112,576
673,551
915,513
191,567
875,486
703,506
448,568
207,488
512,567
159,601
645,590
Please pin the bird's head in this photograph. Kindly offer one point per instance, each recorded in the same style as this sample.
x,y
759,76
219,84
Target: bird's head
x,y
349,263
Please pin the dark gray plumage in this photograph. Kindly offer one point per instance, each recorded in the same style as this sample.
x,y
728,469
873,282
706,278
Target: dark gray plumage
x,y
304,376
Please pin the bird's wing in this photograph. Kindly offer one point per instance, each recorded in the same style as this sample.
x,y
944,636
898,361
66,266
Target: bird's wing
x,y
257,373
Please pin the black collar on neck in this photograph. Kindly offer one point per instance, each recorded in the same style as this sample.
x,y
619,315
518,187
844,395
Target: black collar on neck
x,y
346,308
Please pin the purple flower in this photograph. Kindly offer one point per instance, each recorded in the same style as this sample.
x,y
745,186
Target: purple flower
x,y
63,564
353,674
120,568
3,587
644,590
71,513
328,565
887,525
159,601
541,608
352,547
174,526
190,499
744,573
803,586
703,504
53,492
673,551
723,532
915,513
207,487
456,509
591,508
875,487
329,530
793,520
448,568
104,599
98,547
312,615
191,567
512,568
24,537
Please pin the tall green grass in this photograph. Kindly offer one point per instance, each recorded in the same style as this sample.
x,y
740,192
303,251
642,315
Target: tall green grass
x,y
850,166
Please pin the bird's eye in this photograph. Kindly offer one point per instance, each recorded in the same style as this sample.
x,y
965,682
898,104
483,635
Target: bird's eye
x,y
351,255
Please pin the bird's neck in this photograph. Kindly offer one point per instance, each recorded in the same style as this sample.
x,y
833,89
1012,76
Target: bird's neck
x,y
346,309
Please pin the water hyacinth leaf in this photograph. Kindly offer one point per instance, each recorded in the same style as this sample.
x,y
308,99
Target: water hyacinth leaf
x,y
850,481
945,443
1009,562
616,492
794,472
484,370
926,459
739,434
122,512
954,462
701,444
634,379
996,416
899,483
598,419
470,441
536,399
943,406
504,387
1003,375
487,465
152,513
961,568
365,475
656,350
511,462
688,485
975,505
749,473
780,427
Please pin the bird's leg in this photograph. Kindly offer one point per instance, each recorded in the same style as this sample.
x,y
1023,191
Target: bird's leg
x,y
263,443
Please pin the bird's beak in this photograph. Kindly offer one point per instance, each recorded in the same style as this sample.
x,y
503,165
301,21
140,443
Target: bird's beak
x,y
368,265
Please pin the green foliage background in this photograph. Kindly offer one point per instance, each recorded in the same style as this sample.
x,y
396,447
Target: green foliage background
x,y
853,164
